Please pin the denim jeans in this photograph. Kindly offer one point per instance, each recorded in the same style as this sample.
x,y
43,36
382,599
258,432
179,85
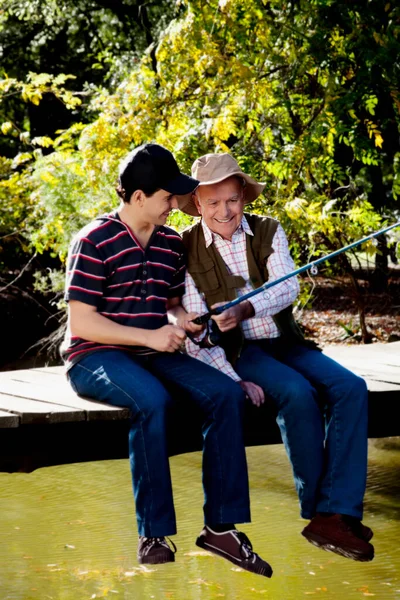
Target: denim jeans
x,y
137,382
322,415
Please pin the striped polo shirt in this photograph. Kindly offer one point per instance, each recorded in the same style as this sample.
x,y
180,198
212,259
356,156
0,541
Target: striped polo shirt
x,y
108,268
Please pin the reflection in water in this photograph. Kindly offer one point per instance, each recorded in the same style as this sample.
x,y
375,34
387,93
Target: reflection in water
x,y
69,533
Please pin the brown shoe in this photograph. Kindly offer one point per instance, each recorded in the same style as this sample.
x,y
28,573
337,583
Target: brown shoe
x,y
335,533
236,547
155,551
361,531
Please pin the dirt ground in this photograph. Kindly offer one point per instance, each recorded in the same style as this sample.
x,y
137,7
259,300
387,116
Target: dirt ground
x,y
333,315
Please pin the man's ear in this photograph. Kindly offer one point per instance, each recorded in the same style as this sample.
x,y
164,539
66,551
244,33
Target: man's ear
x,y
137,198
197,202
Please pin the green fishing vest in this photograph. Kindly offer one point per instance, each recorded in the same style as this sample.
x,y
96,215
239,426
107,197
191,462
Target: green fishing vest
x,y
213,280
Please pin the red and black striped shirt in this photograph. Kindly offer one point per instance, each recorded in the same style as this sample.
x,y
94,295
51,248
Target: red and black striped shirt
x,y
108,268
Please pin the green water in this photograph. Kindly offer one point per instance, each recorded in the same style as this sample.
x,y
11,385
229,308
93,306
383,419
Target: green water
x,y
68,533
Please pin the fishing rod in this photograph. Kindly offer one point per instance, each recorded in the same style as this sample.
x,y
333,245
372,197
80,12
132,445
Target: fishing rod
x,y
202,319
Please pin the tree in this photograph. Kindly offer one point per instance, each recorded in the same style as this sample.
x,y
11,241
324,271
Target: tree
x,y
98,41
305,94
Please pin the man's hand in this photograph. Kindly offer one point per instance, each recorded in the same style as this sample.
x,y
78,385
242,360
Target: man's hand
x,y
186,323
166,339
253,391
231,318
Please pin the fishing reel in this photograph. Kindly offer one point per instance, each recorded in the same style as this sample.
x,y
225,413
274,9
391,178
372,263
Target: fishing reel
x,y
212,337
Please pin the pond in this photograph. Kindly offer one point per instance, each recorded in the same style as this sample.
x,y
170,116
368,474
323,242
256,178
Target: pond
x,y
69,533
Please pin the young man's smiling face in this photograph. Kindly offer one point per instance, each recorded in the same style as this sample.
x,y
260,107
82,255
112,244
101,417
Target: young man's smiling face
x,y
221,205
155,209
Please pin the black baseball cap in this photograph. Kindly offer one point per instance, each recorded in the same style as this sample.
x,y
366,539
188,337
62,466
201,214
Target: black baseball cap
x,y
151,167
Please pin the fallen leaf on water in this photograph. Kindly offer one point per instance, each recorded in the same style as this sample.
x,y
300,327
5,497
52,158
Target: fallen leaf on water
x,y
311,573
237,569
77,522
309,593
145,569
384,583
130,573
69,546
200,582
51,565
26,556
346,582
368,594
198,553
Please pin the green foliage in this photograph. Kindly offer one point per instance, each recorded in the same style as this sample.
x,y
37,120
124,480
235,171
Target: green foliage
x,y
305,95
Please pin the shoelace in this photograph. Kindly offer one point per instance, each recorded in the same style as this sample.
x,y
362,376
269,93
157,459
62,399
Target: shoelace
x,y
149,543
246,548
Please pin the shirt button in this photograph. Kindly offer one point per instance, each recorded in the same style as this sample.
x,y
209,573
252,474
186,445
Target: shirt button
x,y
144,272
144,291
144,264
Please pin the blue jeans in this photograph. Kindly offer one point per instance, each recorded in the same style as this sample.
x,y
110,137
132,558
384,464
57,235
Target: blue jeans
x,y
137,382
322,415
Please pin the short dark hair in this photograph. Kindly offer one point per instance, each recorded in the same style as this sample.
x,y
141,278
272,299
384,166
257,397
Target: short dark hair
x,y
149,168
136,173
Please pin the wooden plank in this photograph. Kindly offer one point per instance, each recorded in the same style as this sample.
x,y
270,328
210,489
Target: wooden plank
x,y
51,370
33,376
62,395
8,420
32,411
374,373
371,362
382,353
382,386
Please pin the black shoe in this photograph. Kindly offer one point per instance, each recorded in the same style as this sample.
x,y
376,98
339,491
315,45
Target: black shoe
x,y
236,547
155,551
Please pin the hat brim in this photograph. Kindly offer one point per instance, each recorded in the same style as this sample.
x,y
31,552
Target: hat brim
x,y
181,185
252,190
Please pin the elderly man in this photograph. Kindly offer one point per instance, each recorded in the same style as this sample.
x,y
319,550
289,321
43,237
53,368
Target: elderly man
x,y
229,254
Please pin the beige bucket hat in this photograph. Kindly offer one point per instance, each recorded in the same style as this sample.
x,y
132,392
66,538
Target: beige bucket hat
x,y
214,168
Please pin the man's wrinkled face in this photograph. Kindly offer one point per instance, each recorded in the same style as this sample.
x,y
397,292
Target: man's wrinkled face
x,y
221,205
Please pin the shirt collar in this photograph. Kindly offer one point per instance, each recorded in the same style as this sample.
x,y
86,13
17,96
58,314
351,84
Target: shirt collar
x,y
210,236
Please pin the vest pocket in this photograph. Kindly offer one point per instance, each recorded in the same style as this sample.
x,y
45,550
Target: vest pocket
x,y
204,275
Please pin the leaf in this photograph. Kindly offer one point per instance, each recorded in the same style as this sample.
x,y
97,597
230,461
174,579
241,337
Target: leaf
x,y
7,127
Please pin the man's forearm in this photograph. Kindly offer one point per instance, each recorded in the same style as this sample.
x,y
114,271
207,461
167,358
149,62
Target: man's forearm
x,y
215,357
94,327
176,314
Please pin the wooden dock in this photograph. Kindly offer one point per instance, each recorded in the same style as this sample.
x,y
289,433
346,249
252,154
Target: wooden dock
x,y
43,422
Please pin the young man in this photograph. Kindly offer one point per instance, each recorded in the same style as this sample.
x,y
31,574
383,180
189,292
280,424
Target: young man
x,y
229,254
126,270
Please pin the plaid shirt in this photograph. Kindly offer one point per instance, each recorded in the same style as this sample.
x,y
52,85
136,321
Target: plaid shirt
x,y
277,298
